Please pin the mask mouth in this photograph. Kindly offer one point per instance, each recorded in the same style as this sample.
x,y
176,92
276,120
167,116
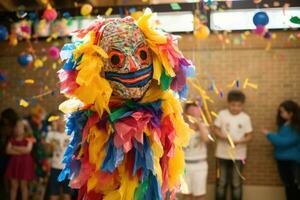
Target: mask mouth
x,y
132,79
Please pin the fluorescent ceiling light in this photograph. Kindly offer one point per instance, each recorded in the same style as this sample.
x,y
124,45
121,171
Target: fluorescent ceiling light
x,y
176,21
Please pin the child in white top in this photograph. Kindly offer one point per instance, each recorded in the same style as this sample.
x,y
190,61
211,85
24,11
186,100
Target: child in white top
x,y
233,129
196,154
58,141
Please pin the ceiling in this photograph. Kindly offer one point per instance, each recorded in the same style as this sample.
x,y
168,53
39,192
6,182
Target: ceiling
x,y
13,5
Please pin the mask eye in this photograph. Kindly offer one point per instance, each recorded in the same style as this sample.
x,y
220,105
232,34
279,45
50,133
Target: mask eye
x,y
143,55
116,58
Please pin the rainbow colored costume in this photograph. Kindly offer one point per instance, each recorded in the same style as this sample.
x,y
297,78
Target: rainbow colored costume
x,y
123,81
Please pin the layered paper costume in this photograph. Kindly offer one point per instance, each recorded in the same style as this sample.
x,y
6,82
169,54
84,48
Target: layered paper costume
x,y
123,82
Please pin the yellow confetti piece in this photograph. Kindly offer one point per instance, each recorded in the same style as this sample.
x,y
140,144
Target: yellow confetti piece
x,y
53,118
108,11
245,83
29,81
23,103
230,140
232,84
252,85
268,46
214,114
231,155
248,84
54,66
38,63
215,89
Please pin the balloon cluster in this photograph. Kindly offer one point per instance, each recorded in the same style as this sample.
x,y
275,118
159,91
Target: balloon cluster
x,y
260,20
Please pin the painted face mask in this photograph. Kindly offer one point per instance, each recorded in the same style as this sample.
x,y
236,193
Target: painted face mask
x,y
129,66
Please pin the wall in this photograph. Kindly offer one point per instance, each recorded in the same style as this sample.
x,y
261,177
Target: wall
x,y
222,58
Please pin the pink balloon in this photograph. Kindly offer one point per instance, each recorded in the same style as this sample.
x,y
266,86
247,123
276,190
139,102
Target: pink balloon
x,y
53,52
260,29
50,14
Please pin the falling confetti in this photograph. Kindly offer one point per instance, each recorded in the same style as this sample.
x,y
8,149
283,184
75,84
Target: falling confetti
x,y
175,6
53,118
248,84
29,81
23,103
295,20
108,12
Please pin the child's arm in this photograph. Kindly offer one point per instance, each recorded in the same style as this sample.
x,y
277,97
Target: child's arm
x,y
23,150
248,132
247,138
217,131
10,150
282,141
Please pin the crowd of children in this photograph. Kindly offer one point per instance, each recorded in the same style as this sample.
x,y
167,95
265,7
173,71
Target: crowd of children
x,y
233,131
32,148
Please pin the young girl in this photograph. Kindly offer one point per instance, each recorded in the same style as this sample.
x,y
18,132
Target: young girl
x,y
287,146
20,167
196,154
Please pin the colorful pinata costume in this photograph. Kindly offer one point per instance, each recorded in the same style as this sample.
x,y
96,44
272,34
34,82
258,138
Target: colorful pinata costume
x,y
123,113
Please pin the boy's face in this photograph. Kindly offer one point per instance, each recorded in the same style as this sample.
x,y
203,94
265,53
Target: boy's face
x,y
235,107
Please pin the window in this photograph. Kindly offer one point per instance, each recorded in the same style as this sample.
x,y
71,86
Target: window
x,y
242,19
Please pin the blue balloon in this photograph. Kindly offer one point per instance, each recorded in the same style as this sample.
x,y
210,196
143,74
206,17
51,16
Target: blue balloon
x,y
25,59
261,18
3,32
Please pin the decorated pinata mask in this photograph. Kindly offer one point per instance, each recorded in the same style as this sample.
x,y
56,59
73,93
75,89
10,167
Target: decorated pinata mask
x,y
129,66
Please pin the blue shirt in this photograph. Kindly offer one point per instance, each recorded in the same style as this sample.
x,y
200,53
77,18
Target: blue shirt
x,y
286,143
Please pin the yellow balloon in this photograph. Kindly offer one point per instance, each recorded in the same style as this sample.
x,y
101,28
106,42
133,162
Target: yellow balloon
x,y
86,9
136,15
202,32
38,63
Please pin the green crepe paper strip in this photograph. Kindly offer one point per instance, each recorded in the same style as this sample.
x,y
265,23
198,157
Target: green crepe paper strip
x,y
165,80
175,6
89,113
117,113
141,190
295,20
128,105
